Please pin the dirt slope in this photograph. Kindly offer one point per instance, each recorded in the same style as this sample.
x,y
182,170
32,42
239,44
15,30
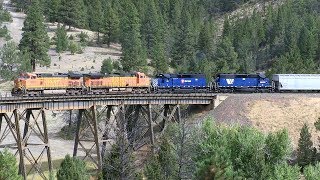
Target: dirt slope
x,y
272,112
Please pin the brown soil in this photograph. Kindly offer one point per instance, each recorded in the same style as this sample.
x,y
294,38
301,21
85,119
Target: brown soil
x,y
272,112
289,113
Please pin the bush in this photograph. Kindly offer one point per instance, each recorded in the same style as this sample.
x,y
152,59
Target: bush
x,y
75,48
61,40
71,37
5,16
8,166
72,168
242,152
107,66
117,66
306,153
312,172
8,37
285,171
83,38
3,31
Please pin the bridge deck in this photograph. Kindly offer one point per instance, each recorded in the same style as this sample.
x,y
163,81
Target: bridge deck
x,y
8,104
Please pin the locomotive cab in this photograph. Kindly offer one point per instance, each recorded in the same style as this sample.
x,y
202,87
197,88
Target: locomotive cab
x,y
20,83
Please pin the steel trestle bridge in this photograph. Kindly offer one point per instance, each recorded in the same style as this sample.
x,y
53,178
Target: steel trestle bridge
x,y
23,116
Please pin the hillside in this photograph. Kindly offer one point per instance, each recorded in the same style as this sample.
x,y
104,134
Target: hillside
x,y
272,112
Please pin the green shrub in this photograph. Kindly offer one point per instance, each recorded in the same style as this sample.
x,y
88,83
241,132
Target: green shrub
x,y
72,168
73,48
312,172
5,16
71,37
83,38
3,31
107,66
285,171
8,166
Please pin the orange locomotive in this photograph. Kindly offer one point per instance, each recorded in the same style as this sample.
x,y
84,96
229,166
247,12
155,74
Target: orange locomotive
x,y
36,84
100,84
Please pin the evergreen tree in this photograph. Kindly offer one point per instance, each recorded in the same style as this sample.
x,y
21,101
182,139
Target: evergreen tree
x,y
153,169
307,44
107,66
153,34
205,40
306,151
312,172
35,40
160,62
227,29
9,56
183,54
8,166
133,54
72,168
62,39
227,57
167,159
151,31
52,10
285,171
111,25
72,13
95,14
277,147
119,161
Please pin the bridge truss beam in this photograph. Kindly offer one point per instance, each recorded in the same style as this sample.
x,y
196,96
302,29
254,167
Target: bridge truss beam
x,y
33,122
99,128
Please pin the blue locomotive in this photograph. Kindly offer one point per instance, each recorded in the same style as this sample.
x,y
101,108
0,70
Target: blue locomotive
x,y
239,82
180,82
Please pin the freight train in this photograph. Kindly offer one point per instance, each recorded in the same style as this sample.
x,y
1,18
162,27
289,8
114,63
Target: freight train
x,y
39,84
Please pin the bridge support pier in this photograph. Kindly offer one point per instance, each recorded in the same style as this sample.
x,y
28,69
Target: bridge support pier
x,y
34,121
99,128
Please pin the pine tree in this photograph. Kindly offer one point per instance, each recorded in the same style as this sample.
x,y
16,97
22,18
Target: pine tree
x,y
111,25
35,40
307,44
9,55
227,29
184,47
72,168
119,161
52,10
107,66
72,13
62,39
167,159
8,166
153,34
134,56
153,169
95,14
227,57
306,151
205,40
